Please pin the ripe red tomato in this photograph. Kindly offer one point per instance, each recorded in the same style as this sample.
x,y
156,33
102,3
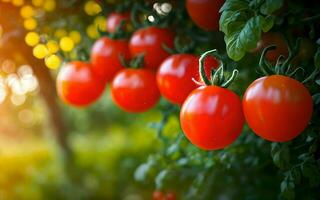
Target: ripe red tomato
x,y
212,117
114,20
273,38
77,85
105,55
135,90
149,41
277,108
175,76
171,196
205,13
158,195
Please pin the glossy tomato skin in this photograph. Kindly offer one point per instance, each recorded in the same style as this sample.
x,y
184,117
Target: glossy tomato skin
x,y
205,13
273,38
277,108
105,55
212,117
149,41
77,85
114,20
135,90
176,73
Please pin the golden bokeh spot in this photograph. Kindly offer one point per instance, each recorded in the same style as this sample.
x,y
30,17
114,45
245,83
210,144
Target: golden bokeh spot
x,y
37,3
53,61
17,2
100,22
75,36
27,11
92,32
59,33
40,51
66,44
92,8
32,38
30,24
52,46
49,5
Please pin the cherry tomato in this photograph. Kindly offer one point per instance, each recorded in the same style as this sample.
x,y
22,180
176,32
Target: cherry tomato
x,y
212,117
105,57
77,85
277,108
114,20
149,41
205,13
273,38
135,90
175,76
158,195
171,196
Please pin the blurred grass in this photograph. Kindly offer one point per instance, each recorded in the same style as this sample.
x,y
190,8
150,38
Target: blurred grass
x,y
102,169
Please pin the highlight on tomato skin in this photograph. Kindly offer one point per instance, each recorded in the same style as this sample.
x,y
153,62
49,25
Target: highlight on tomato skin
x,y
277,108
177,73
135,90
105,56
205,13
149,41
114,20
212,117
77,85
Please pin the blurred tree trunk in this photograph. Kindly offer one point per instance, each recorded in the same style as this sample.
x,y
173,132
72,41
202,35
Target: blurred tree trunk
x,y
48,93
12,42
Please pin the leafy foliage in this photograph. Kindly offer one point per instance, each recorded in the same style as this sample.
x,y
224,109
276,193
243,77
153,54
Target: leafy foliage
x,y
243,21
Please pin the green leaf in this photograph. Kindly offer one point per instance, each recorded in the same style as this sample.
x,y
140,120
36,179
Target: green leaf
x,y
234,5
281,156
287,189
242,25
141,172
318,81
317,58
268,23
245,38
161,178
296,175
316,98
270,6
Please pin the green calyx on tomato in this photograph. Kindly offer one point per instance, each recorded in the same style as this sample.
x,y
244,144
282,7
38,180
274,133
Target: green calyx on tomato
x,y
217,76
175,74
211,117
277,107
283,65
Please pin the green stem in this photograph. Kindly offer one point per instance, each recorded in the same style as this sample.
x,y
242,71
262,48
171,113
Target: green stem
x,y
293,51
202,70
308,19
263,65
231,79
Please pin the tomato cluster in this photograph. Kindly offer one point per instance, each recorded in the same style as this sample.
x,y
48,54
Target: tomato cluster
x,y
277,108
